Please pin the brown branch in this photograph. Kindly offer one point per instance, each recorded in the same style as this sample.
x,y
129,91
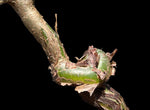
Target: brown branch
x,y
40,29
104,97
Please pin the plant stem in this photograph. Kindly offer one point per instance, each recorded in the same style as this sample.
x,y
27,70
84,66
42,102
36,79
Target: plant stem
x,y
40,29
105,98
90,72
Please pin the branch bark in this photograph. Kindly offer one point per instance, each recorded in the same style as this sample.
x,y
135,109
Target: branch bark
x,y
88,75
40,29
105,98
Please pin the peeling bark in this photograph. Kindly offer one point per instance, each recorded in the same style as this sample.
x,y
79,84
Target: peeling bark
x,y
88,75
105,98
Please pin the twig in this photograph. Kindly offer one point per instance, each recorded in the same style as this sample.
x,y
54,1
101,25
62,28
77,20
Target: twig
x,y
85,74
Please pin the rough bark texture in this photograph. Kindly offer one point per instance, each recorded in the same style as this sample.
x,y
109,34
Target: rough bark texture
x,y
90,72
40,29
105,98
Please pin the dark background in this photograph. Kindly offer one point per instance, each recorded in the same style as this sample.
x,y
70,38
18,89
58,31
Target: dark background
x,y
26,80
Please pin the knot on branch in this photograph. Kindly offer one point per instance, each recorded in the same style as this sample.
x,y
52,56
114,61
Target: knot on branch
x,y
99,61
91,70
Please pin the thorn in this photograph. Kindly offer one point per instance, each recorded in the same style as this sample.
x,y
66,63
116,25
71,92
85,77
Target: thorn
x,y
114,52
56,29
111,55
77,58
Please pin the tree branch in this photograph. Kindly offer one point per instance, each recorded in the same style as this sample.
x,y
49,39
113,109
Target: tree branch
x,y
105,98
40,29
90,72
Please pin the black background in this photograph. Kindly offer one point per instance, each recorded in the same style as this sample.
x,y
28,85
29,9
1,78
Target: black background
x,y
26,80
